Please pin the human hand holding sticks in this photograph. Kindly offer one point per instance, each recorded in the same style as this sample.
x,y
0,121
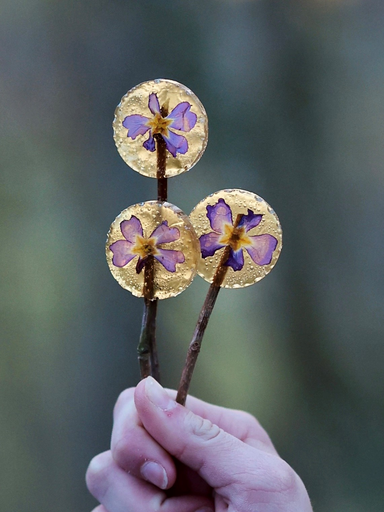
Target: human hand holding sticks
x,y
168,458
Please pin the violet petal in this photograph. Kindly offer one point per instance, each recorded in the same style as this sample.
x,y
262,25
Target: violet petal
x,y
182,117
150,144
140,264
169,258
136,125
209,244
130,228
165,234
262,248
153,104
175,143
235,260
250,221
121,253
219,215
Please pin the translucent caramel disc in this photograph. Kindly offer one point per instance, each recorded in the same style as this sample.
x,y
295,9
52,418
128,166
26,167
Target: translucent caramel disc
x,y
137,119
162,230
246,223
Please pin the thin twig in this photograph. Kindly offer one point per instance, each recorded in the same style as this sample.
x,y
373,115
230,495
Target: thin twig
x,y
150,304
161,148
202,322
147,349
148,327
162,182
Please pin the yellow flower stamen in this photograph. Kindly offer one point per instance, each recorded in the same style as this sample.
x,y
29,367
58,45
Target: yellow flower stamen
x,y
145,246
159,125
236,238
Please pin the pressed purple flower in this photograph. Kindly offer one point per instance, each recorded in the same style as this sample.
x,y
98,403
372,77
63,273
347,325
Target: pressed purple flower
x,y
259,247
135,244
181,118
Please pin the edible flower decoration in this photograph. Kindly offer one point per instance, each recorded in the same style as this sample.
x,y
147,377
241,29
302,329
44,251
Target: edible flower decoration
x,y
181,118
135,244
259,247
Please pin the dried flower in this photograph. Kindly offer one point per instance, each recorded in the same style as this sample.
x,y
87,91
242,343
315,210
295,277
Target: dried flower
x,y
181,118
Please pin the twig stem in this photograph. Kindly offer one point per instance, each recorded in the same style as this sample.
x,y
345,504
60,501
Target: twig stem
x,y
147,349
162,182
148,327
161,149
202,322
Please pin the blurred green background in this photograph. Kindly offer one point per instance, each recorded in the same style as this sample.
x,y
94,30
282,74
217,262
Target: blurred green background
x,y
294,91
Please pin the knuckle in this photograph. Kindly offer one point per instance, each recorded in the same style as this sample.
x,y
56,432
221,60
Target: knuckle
x,y
285,478
202,428
197,427
124,397
252,428
277,479
96,475
247,418
122,448
249,421
250,424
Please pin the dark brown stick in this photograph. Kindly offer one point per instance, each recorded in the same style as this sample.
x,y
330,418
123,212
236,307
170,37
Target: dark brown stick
x,y
162,182
148,327
202,322
149,359
150,304
161,148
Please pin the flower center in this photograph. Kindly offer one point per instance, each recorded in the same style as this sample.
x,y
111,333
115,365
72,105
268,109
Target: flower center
x,y
159,125
144,246
236,238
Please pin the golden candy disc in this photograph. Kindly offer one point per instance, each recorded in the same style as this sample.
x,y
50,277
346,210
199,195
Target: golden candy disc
x,y
160,107
160,229
246,223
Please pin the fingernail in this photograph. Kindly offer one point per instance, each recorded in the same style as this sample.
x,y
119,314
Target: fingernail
x,y
154,473
158,396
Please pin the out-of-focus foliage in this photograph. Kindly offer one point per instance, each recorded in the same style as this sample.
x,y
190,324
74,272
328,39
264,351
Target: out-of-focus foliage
x,y
294,91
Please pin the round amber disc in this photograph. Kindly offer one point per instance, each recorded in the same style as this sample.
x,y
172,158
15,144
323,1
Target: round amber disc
x,y
158,229
160,108
248,225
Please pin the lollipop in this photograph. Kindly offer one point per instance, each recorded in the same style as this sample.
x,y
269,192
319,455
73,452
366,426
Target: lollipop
x,y
240,241
156,232
152,251
160,130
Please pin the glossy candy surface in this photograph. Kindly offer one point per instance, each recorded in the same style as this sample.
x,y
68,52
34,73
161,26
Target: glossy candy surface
x,y
158,229
248,225
160,108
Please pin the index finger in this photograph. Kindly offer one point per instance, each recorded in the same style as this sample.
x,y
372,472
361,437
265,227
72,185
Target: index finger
x,y
135,450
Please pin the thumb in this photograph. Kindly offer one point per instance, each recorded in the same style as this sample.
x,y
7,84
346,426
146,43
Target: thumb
x,y
217,456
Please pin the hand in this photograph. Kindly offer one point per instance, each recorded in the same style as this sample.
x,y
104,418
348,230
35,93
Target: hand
x,y
168,458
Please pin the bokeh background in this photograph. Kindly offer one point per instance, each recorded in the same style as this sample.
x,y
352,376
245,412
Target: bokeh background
x,y
294,90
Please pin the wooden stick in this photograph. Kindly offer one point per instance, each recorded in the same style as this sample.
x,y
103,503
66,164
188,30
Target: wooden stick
x,y
148,327
147,349
202,322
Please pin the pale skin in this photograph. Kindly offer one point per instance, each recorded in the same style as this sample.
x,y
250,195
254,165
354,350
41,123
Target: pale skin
x,y
200,458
